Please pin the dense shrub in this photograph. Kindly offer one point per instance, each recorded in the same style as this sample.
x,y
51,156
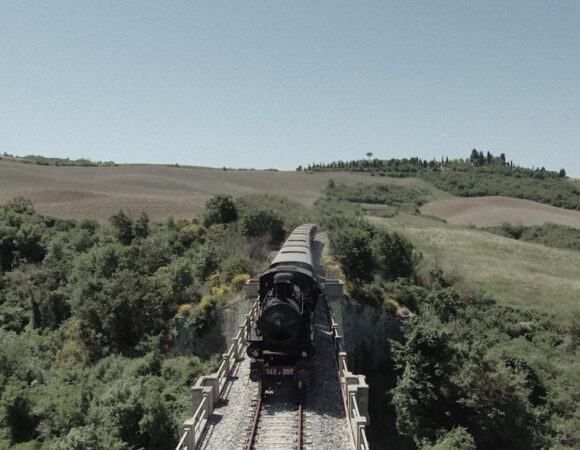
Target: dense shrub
x,y
220,208
394,255
16,407
122,228
235,265
262,222
353,248
87,326
466,380
365,252
550,234
405,198
290,211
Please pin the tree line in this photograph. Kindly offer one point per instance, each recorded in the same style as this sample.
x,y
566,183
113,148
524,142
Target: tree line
x,y
479,175
414,166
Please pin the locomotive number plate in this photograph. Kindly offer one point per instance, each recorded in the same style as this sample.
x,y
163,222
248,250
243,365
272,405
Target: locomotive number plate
x,y
280,371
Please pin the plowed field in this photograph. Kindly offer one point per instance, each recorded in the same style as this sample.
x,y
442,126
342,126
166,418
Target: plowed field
x,y
493,211
98,192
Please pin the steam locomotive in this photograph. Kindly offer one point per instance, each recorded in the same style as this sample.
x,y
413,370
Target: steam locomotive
x,y
281,339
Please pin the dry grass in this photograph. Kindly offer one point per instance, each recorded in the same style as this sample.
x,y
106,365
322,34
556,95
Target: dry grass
x,y
513,272
493,211
98,192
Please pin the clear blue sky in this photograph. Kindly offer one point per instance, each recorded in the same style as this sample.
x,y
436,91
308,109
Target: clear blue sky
x,y
277,84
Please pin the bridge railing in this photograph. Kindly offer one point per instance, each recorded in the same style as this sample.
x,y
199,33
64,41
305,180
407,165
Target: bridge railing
x,y
355,390
206,392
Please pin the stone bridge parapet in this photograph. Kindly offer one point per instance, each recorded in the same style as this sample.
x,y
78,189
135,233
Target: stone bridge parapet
x,y
355,390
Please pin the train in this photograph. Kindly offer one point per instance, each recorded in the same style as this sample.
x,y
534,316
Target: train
x,y
281,340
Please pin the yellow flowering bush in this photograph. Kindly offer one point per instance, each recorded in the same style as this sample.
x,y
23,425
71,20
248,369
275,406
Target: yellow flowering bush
x,y
184,309
219,291
192,232
391,306
161,272
240,280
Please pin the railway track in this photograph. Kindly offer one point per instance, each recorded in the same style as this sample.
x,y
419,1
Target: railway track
x,y
277,418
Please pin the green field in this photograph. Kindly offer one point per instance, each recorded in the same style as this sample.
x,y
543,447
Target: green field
x,y
515,273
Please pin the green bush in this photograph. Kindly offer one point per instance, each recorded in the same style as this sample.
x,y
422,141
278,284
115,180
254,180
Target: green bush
x,y
16,406
87,329
364,252
262,222
456,439
353,249
220,208
551,235
462,367
405,198
395,256
122,228
235,265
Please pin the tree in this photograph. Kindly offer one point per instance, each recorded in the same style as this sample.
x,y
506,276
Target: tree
x,y
394,255
474,158
157,424
17,408
117,314
141,226
206,262
422,395
220,208
122,227
369,155
446,303
354,251
179,279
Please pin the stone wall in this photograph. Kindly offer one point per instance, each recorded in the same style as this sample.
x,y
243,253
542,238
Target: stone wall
x,y
364,328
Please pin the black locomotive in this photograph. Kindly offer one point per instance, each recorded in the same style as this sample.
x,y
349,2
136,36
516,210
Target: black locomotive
x,y
281,339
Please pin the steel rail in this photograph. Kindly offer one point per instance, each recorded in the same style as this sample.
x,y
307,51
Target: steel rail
x,y
299,428
256,418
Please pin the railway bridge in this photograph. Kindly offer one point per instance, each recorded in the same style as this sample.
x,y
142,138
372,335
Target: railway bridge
x,y
231,412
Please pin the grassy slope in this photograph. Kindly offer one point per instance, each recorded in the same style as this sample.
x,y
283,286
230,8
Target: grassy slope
x,y
515,273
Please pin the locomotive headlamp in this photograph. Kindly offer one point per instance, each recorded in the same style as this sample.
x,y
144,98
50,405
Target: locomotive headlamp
x,y
255,353
304,353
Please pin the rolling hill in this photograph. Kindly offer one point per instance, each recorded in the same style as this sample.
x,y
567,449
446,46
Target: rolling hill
x,y
98,192
515,272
